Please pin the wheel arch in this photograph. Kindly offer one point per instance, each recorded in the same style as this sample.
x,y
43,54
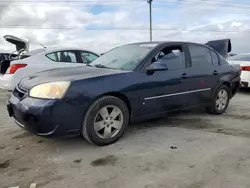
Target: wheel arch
x,y
228,84
218,85
122,97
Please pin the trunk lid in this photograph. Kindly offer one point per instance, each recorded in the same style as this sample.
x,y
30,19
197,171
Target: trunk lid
x,y
223,46
21,44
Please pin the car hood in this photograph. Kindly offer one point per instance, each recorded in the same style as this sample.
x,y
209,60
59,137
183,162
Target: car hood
x,y
20,44
65,74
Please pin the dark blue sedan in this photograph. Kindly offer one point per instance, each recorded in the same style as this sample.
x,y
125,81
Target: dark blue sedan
x,y
129,83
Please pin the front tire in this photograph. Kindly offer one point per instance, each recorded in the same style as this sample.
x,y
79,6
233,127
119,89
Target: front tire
x,y
105,121
220,100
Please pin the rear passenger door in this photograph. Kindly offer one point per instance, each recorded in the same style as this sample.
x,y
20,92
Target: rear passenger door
x,y
201,75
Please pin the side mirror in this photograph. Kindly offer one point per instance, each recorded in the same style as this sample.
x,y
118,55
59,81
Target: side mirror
x,y
157,66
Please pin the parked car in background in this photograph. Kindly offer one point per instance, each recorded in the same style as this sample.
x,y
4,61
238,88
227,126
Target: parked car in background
x,y
39,60
244,61
4,56
231,54
21,45
129,83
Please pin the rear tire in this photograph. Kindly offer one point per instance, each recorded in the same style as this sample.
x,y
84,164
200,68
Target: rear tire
x,y
220,101
105,121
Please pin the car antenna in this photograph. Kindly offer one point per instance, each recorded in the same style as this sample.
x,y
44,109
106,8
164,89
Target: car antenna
x,y
42,45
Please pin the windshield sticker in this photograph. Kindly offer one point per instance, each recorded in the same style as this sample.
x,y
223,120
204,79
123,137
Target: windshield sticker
x,y
148,45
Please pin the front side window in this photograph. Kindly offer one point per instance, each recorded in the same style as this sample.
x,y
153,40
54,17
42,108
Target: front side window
x,y
200,56
88,57
125,57
173,56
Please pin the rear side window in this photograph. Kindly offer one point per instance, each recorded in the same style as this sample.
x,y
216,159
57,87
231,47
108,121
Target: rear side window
x,y
200,56
215,58
52,56
63,56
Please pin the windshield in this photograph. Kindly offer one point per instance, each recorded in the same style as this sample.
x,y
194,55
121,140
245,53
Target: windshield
x,y
243,57
125,57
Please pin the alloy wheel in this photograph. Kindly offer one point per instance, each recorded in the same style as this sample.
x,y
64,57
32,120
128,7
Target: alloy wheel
x,y
108,122
221,99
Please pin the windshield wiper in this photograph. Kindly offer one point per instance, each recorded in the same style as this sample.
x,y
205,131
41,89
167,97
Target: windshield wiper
x,y
101,66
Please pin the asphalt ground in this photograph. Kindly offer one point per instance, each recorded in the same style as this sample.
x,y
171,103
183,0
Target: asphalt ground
x,y
186,150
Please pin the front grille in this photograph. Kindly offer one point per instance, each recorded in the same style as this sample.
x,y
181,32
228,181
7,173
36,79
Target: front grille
x,y
19,93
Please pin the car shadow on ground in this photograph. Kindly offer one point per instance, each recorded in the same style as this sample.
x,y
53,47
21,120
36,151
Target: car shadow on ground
x,y
244,90
171,120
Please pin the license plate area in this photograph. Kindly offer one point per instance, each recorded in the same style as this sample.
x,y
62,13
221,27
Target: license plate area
x,y
244,84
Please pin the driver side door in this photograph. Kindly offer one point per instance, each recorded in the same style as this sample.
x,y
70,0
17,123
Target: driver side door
x,y
164,90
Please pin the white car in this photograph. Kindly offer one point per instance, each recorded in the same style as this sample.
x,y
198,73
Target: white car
x,y
244,61
11,73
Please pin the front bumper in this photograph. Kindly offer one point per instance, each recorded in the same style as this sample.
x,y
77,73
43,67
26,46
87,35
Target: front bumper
x,y
6,81
46,117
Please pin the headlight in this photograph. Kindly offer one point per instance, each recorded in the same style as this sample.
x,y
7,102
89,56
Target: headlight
x,y
52,90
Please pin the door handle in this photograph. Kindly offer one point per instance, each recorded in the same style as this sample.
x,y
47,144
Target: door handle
x,y
184,76
215,72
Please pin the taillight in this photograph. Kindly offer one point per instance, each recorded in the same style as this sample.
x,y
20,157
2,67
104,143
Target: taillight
x,y
13,68
245,68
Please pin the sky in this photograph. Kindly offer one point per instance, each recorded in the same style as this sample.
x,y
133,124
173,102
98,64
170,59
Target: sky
x,y
100,25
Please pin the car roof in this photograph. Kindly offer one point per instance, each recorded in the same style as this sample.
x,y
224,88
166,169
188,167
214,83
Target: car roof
x,y
149,42
54,49
51,49
164,42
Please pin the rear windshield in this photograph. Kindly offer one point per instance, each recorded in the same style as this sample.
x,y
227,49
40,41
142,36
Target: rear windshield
x,y
243,57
